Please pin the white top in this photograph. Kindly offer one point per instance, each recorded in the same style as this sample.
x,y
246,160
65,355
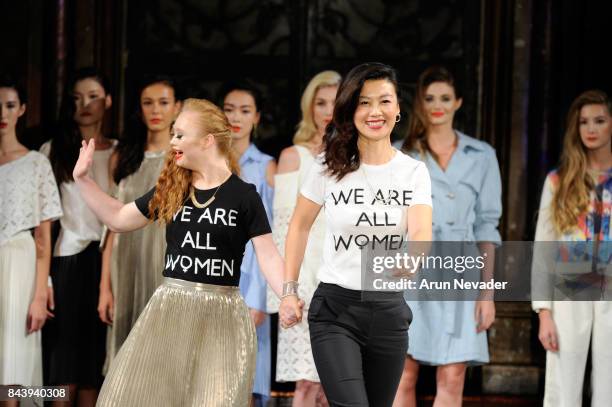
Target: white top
x,y
28,194
79,225
353,216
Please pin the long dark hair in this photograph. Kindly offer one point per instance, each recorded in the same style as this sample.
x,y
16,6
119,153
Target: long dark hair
x,y
11,82
416,137
66,140
132,144
341,152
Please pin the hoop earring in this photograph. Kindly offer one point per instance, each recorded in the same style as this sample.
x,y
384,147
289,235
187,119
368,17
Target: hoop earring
x,y
398,118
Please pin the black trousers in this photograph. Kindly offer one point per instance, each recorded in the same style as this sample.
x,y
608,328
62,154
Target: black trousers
x,y
359,342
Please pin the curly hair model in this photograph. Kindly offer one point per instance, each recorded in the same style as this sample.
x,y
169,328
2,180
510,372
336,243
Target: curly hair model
x,y
174,181
571,198
210,215
575,210
342,140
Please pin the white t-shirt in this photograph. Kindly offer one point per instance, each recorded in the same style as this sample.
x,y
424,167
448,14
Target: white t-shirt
x,y
355,219
79,225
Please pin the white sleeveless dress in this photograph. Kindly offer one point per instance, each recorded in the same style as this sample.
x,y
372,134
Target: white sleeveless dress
x,y
294,354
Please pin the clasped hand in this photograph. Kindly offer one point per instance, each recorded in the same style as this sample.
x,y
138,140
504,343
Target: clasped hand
x,y
290,311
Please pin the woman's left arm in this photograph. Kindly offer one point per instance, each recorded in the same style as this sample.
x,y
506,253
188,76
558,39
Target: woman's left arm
x,y
38,312
488,210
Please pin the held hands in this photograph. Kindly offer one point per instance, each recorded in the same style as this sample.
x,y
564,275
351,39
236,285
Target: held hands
x,y
290,311
257,316
548,331
85,159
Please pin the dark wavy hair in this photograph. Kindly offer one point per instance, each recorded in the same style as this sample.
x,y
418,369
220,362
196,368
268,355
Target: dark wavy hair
x,y
11,82
416,136
341,152
66,140
132,143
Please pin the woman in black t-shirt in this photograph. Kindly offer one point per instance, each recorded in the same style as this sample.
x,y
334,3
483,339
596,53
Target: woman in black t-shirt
x,y
194,344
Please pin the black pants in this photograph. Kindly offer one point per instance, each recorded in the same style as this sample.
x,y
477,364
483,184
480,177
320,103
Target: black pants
x,y
359,343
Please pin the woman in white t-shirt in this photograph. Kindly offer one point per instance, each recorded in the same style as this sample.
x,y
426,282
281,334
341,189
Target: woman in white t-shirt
x,y
373,195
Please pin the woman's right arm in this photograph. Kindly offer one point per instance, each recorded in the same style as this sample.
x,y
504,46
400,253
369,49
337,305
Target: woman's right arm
x,y
119,217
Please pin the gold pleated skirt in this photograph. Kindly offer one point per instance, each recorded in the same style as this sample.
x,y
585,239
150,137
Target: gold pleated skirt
x,y
193,345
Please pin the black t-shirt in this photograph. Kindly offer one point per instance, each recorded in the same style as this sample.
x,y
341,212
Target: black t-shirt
x,y
207,245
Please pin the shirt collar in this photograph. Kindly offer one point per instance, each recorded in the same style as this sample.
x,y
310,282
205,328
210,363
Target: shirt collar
x,y
252,153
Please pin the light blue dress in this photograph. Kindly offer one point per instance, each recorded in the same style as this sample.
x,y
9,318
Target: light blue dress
x,y
466,207
253,164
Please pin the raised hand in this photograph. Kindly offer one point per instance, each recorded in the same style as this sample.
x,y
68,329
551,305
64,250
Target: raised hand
x,y
85,159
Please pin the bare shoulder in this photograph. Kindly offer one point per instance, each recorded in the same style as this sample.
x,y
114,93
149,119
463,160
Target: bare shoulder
x,y
288,161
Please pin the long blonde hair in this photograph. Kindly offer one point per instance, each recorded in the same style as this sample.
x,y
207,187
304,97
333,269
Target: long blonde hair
x,y
307,129
173,184
571,195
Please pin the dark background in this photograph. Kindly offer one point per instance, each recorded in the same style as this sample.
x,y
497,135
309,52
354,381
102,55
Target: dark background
x,y
520,64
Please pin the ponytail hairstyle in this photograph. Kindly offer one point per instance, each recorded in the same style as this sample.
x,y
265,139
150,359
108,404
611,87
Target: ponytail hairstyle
x,y
571,196
416,137
173,185
340,140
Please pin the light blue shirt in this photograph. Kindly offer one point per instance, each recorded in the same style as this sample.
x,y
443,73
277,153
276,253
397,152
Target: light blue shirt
x,y
253,165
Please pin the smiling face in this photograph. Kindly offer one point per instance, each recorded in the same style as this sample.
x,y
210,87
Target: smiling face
x,y
377,109
158,106
91,101
11,110
595,127
187,141
241,111
440,103
323,106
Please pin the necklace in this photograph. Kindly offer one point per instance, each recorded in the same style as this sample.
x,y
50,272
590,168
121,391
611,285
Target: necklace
x,y
208,202
378,198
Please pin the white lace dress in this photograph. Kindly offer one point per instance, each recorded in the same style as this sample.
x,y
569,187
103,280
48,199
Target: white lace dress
x,y
28,196
294,354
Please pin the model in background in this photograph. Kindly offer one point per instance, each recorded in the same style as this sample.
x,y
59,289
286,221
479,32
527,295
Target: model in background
x,y
74,341
242,104
466,194
359,343
575,207
294,354
29,201
131,261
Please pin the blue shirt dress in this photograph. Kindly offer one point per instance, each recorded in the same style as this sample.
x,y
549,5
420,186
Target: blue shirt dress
x,y
253,165
466,207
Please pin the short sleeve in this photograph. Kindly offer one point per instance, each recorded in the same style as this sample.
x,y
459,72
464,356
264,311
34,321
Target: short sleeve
x,y
421,186
488,206
254,214
142,203
313,187
50,206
